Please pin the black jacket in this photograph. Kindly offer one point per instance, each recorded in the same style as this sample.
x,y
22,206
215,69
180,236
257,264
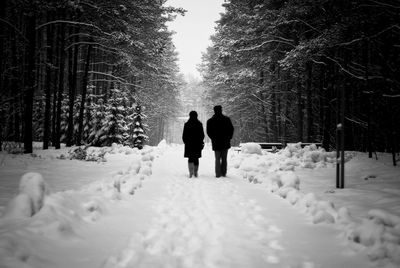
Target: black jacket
x,y
193,136
220,131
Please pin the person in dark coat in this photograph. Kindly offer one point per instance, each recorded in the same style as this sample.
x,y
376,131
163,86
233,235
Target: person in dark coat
x,y
193,136
220,130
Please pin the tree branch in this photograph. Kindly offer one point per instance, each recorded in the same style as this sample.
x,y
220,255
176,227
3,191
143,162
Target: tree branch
x,y
73,23
15,29
262,44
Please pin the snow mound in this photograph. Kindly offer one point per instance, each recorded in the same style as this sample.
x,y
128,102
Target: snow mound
x,y
378,234
308,157
162,144
251,148
30,199
19,207
61,215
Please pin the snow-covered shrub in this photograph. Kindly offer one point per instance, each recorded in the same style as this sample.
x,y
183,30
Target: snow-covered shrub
x,y
13,147
95,154
78,153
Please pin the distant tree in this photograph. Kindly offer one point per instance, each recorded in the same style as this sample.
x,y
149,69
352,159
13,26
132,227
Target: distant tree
x,y
114,126
139,136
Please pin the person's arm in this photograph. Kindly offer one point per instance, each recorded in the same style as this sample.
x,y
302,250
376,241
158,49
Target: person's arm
x,y
209,129
184,134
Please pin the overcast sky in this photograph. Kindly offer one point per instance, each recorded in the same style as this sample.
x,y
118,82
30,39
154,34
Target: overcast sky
x,y
193,30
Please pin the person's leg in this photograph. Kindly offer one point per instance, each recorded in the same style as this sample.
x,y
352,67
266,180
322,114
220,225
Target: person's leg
x,y
217,163
224,162
196,167
191,167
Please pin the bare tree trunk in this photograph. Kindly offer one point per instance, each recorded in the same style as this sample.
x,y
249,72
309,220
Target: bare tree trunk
x,y
2,53
47,110
60,86
83,97
30,82
273,115
309,103
56,43
285,117
327,111
15,88
299,112
72,88
369,103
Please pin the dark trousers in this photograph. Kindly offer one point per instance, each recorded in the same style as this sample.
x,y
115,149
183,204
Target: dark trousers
x,y
194,160
220,162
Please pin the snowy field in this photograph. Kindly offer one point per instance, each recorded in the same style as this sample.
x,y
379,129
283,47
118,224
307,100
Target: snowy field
x,y
138,209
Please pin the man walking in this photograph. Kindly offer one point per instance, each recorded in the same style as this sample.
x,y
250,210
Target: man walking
x,y
220,131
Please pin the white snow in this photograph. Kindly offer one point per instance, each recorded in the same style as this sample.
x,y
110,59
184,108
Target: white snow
x,y
30,199
251,148
132,208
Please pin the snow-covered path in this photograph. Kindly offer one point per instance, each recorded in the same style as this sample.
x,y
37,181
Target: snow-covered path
x,y
173,221
209,222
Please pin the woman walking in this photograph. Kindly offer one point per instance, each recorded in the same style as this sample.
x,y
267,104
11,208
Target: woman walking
x,y
193,136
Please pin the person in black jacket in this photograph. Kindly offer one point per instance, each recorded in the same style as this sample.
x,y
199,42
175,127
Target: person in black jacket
x,y
220,130
193,136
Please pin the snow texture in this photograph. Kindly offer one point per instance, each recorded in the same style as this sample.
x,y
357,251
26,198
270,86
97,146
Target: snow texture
x,y
30,199
379,233
193,223
251,148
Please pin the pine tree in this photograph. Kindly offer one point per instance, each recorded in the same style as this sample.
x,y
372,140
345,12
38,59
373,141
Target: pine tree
x,y
115,128
139,136
97,114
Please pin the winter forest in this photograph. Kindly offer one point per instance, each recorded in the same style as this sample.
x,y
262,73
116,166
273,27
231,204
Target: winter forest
x,y
79,72
93,103
292,70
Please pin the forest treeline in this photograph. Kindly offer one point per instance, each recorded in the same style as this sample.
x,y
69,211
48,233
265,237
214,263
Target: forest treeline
x,y
289,71
86,72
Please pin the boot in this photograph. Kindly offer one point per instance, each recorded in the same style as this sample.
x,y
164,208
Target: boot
x,y
196,169
191,170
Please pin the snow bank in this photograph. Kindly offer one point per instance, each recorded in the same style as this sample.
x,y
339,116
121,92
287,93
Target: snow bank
x,y
379,234
99,154
30,199
308,157
35,214
251,148
288,159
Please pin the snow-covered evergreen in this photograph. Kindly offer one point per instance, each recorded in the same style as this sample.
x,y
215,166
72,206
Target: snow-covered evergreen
x,y
139,136
114,126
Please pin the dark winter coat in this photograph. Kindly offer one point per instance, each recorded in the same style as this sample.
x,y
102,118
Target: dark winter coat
x,y
220,131
193,136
